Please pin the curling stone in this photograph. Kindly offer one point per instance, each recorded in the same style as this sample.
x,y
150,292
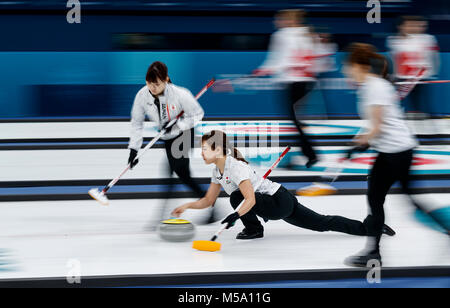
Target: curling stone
x,y
176,230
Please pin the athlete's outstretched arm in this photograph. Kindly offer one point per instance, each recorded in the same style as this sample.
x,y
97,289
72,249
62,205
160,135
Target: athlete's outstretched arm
x,y
208,200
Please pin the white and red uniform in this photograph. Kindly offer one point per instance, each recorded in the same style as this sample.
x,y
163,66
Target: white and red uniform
x,y
291,55
291,61
413,52
173,100
324,61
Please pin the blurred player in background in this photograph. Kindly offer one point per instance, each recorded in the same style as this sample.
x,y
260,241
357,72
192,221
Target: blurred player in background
x,y
163,101
325,49
290,60
387,134
324,62
415,55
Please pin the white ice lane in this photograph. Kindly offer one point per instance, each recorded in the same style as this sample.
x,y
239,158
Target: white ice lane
x,y
42,165
41,239
50,130
97,164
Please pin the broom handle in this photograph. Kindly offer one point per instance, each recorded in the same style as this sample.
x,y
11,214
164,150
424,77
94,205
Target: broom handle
x,y
223,227
141,152
156,138
422,82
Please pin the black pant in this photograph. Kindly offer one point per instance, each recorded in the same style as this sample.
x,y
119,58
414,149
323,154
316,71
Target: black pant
x,y
388,169
284,205
177,150
297,95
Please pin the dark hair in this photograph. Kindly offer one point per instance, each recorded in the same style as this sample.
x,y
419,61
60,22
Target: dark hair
x,y
366,54
157,70
217,138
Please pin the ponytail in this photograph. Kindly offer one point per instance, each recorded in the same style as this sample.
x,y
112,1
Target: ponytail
x,y
217,138
237,155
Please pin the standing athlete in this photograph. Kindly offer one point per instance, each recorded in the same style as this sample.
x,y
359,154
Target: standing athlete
x,y
163,101
291,59
415,55
387,134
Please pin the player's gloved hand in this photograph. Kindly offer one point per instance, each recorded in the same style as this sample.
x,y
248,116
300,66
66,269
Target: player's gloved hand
x,y
132,158
168,127
168,130
356,149
231,219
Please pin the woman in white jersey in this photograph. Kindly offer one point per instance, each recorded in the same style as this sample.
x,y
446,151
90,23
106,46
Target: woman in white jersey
x,y
415,55
290,59
270,201
388,134
162,101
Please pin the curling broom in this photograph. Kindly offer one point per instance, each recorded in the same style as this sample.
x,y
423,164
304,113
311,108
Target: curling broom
x,y
100,196
323,189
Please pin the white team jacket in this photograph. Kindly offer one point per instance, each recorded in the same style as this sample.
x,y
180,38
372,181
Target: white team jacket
x,y
411,53
174,100
291,55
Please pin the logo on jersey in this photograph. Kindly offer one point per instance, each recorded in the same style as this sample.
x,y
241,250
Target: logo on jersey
x,y
164,111
227,180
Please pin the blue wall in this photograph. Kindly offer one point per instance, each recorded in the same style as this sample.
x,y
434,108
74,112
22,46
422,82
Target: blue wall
x,y
43,84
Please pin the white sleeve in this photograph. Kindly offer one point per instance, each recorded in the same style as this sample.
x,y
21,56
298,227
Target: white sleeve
x,y
436,61
433,43
240,172
193,112
380,95
137,124
274,56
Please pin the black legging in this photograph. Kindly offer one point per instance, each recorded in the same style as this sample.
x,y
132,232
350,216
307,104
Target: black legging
x,y
180,165
297,95
284,205
389,168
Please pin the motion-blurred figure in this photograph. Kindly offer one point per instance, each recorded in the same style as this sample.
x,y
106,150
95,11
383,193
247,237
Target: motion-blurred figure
x,y
387,134
290,59
415,55
325,49
324,64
